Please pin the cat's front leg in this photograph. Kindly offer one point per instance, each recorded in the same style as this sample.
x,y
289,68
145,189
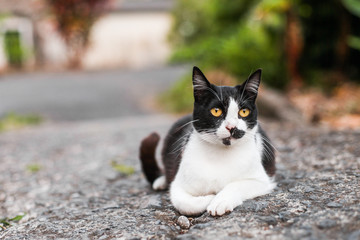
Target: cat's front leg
x,y
186,203
235,193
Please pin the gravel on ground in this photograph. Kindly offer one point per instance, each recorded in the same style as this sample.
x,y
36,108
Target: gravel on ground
x,y
76,191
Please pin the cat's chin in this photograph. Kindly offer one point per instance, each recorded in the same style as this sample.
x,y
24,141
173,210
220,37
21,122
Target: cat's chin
x,y
227,141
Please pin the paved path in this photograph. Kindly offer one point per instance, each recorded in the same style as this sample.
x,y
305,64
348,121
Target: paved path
x,y
77,96
77,194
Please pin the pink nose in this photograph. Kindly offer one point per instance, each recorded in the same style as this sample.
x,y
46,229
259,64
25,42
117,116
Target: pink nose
x,y
229,127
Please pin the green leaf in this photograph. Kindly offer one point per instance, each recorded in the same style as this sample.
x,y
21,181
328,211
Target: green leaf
x,y
5,222
352,6
354,42
17,218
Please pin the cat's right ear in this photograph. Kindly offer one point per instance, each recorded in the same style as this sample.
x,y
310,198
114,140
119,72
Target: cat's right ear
x,y
200,83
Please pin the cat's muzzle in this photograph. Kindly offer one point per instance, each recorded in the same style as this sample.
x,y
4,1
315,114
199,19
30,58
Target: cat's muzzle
x,y
235,134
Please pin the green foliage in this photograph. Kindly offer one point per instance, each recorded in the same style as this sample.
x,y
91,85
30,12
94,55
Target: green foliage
x,y
354,42
235,36
334,48
249,49
13,48
287,38
200,19
14,121
353,6
180,97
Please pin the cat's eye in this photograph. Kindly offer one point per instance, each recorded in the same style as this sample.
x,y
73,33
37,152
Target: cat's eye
x,y
216,112
244,112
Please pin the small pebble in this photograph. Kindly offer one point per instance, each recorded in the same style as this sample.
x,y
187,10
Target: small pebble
x,y
103,237
307,203
335,182
285,216
328,223
308,189
183,222
299,175
201,225
334,205
268,219
314,197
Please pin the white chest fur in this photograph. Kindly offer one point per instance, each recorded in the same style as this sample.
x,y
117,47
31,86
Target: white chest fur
x,y
207,168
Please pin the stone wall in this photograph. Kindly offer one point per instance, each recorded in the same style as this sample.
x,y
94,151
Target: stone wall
x,y
129,40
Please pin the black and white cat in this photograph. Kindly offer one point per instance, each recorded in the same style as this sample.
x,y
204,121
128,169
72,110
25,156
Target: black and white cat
x,y
217,157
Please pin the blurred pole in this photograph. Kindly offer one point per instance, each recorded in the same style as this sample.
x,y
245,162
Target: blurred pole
x,y
342,47
294,46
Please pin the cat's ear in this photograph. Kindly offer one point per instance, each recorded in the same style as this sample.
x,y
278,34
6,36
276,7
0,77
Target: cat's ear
x,y
200,83
251,85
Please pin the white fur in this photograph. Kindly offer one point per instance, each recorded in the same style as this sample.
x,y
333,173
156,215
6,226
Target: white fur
x,y
231,120
160,183
217,178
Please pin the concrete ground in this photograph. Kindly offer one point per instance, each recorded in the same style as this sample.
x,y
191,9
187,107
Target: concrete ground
x,y
79,96
76,192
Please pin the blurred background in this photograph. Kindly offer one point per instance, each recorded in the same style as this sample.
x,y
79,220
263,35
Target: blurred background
x,y
67,60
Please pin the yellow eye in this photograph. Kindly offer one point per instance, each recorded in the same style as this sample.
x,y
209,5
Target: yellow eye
x,y
244,112
216,112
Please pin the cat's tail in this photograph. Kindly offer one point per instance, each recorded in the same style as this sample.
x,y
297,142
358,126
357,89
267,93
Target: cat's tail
x,y
147,157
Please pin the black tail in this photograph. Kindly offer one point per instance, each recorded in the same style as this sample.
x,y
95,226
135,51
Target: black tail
x,y
147,157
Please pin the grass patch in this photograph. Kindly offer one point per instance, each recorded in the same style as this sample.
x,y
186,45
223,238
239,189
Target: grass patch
x,y
33,168
122,168
6,222
13,121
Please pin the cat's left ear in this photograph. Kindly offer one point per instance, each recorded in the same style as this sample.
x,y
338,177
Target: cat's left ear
x,y
251,85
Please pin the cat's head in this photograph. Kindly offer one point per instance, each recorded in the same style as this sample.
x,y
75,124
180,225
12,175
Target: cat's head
x,y
222,114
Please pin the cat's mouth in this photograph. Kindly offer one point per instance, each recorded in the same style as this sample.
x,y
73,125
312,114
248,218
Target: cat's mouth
x,y
235,134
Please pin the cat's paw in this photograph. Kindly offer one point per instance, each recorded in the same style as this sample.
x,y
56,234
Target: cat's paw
x,y
160,184
198,206
219,206
192,206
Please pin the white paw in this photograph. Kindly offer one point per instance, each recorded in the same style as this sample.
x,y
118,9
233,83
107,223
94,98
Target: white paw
x,y
193,206
219,206
160,183
196,206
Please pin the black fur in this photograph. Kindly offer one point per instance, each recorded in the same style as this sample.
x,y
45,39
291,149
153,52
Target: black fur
x,y
268,155
174,144
147,156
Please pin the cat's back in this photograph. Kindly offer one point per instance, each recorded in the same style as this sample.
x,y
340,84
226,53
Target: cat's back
x,y
174,144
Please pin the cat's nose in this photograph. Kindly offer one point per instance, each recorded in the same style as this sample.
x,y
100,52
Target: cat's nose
x,y
235,132
230,127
